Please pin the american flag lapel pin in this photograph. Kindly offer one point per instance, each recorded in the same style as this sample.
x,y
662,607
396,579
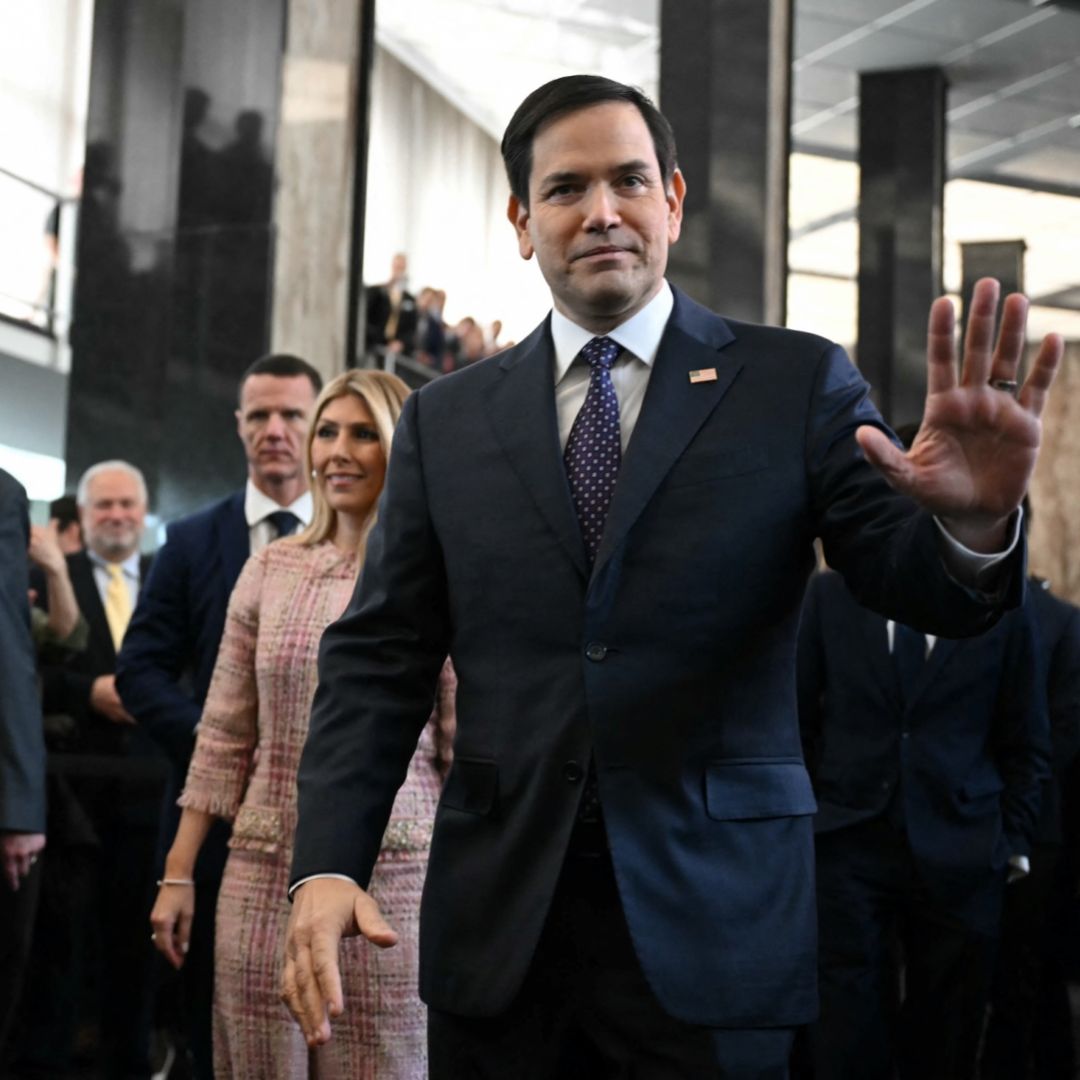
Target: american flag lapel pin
x,y
707,374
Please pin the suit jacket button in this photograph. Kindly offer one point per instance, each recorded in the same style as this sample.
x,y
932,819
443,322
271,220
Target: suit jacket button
x,y
596,651
573,772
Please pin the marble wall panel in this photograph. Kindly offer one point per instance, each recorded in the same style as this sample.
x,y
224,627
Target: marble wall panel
x,y
1055,489
316,162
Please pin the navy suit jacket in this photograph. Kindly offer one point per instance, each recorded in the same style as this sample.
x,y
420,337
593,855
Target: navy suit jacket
x,y
22,744
1058,624
168,655
969,748
671,663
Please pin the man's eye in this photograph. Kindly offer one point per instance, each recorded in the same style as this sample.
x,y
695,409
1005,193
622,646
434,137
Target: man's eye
x,y
633,181
257,418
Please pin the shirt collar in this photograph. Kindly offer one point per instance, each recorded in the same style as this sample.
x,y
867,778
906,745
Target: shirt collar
x,y
640,335
130,566
258,506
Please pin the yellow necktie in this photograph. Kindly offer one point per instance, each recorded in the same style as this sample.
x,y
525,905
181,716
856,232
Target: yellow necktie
x,y
117,604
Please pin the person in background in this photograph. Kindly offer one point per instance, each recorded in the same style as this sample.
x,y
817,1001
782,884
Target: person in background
x,y
102,867
1030,1026
22,757
392,312
928,757
164,669
244,769
65,513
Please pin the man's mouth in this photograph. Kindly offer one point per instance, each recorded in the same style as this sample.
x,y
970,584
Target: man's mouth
x,y
601,252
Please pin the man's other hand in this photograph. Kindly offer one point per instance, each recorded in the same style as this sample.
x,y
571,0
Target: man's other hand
x,y
324,911
105,700
18,853
976,449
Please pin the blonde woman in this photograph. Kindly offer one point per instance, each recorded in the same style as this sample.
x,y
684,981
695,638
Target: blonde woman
x,y
244,769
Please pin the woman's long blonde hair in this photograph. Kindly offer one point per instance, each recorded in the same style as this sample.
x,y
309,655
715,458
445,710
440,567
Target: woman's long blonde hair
x,y
383,394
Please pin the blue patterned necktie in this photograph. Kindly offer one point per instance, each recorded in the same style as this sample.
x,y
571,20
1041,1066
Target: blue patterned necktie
x,y
594,451
284,521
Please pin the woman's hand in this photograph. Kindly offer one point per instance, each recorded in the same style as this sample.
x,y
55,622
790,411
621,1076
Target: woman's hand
x,y
171,919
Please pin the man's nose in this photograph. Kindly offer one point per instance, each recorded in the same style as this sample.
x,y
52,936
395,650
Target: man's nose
x,y
275,426
601,208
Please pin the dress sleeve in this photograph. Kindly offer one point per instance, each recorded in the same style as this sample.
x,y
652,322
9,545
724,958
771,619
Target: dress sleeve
x,y
228,733
444,718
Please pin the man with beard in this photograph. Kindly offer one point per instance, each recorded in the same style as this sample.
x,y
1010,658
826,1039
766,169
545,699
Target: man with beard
x,y
108,780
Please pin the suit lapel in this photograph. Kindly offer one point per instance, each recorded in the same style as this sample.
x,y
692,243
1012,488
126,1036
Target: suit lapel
x,y
873,628
234,539
89,600
671,414
521,409
938,658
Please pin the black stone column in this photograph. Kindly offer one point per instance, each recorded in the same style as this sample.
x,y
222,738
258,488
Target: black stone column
x,y
725,85
1001,259
902,168
175,235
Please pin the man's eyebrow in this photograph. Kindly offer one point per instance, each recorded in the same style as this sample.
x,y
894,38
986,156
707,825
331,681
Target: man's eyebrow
x,y
569,175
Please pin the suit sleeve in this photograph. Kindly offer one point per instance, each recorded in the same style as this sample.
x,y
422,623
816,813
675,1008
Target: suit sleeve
x,y
882,542
1063,692
156,652
378,669
1020,733
22,745
810,676
228,732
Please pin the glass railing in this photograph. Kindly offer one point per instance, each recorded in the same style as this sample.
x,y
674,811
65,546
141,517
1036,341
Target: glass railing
x,y
37,250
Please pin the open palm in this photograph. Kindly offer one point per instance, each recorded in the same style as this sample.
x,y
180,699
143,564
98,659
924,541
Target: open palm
x,y
976,449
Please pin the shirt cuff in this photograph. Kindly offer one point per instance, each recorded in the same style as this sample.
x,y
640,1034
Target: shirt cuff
x,y
1019,867
314,877
973,568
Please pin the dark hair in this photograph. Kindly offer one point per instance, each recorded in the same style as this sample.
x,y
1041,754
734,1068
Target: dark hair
x,y
566,95
65,510
282,366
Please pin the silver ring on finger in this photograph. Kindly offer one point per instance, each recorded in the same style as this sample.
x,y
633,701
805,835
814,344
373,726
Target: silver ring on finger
x,y
153,935
1006,386
33,859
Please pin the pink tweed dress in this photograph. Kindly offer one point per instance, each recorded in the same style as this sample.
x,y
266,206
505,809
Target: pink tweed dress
x,y
244,769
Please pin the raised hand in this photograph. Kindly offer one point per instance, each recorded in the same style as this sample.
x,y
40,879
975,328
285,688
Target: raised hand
x,y
324,911
976,449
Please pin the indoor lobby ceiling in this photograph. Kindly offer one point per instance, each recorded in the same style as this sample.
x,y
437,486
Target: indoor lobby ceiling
x,y
1013,67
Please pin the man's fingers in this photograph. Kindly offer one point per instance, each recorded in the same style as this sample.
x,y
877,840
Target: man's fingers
x,y
372,924
941,347
1011,337
311,1000
979,339
1042,373
11,874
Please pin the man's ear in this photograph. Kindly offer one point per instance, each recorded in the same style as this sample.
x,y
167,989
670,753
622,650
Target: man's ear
x,y
518,214
239,422
676,194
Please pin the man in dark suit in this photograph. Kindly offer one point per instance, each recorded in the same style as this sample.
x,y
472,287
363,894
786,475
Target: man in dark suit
x,y
1030,1025
165,666
392,312
22,755
113,778
609,527
928,759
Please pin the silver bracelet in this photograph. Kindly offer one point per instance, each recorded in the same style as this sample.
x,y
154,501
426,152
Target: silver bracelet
x,y
176,881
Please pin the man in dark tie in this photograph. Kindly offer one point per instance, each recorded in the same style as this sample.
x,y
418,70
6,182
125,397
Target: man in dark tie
x,y
609,527
164,668
928,757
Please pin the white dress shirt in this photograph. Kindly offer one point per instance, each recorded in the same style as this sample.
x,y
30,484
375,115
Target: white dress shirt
x,y
259,506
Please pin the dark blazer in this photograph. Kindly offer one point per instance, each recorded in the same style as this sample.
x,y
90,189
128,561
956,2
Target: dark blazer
x,y
969,749
1058,625
66,686
671,664
169,651
22,745
378,314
